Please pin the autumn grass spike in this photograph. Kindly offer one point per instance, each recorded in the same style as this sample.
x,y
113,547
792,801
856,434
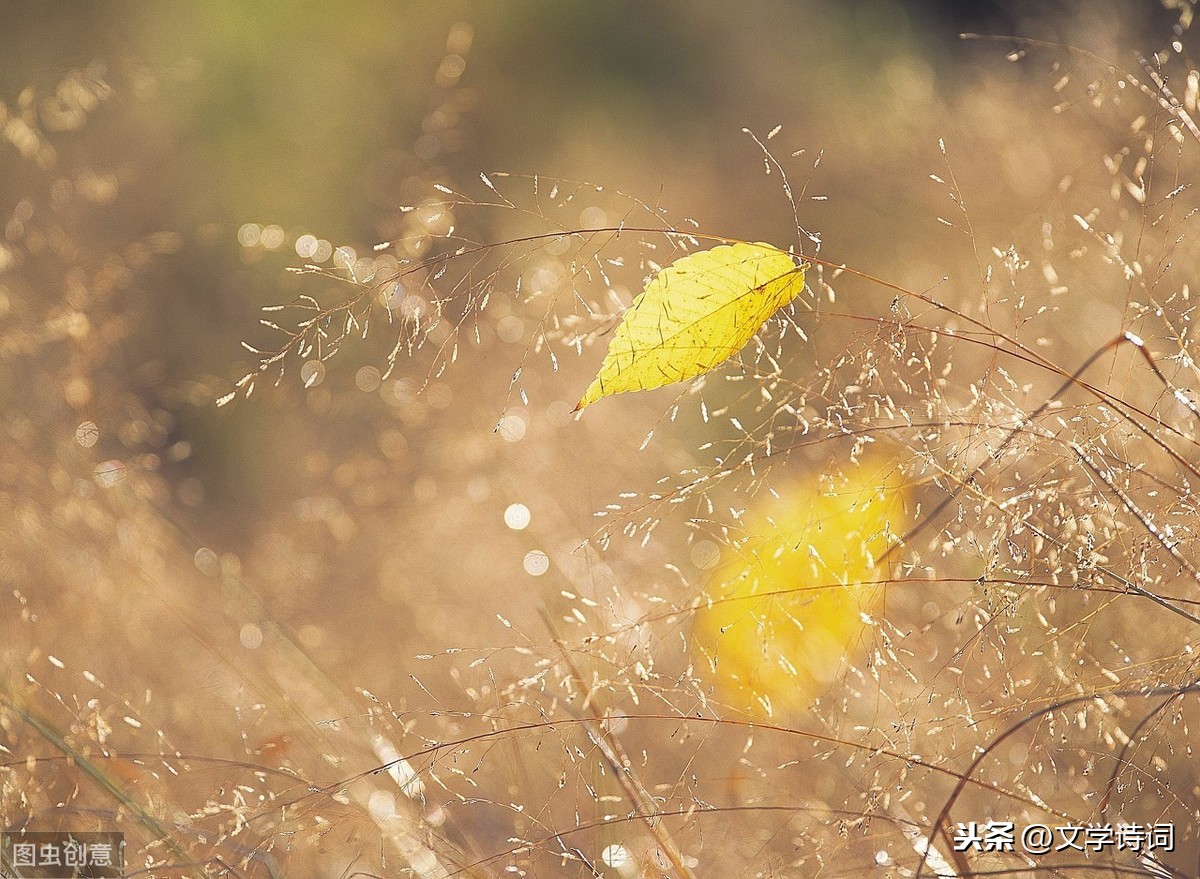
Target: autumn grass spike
x,y
694,315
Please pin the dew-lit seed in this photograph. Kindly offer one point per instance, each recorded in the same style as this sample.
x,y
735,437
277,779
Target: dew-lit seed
x,y
312,373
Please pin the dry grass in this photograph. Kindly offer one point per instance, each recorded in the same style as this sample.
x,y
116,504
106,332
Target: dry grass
x,y
447,631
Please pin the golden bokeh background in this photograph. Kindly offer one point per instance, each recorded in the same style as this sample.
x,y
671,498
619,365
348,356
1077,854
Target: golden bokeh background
x,y
417,619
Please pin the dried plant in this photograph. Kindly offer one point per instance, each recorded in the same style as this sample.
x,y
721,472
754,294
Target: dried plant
x,y
952,502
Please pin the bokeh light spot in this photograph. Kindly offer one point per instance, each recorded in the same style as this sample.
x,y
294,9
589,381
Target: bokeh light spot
x,y
87,434
517,517
536,562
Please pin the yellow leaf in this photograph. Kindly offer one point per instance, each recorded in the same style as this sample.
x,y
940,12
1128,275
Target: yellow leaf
x,y
694,315
786,618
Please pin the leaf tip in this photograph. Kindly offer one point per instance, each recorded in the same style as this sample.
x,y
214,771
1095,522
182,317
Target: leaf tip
x,y
593,393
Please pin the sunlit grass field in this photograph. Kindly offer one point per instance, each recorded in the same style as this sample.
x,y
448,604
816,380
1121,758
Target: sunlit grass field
x,y
310,568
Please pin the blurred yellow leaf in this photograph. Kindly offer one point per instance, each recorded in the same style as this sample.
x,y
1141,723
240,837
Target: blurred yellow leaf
x,y
694,315
787,612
